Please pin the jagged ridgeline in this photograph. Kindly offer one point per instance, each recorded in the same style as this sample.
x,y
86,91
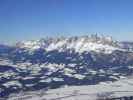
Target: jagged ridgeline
x,y
55,62
45,42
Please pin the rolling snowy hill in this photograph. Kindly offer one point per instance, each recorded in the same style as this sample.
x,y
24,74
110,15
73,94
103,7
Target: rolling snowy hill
x,y
120,90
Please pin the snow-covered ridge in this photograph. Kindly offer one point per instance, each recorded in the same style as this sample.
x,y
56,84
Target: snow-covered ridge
x,y
78,44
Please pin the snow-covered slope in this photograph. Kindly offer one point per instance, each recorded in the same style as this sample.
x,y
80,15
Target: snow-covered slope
x,y
103,91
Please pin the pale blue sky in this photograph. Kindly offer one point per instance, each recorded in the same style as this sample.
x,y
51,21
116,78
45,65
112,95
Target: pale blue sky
x,y
33,19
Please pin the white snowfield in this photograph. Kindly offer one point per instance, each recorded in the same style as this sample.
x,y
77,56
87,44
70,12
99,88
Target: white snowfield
x,y
101,91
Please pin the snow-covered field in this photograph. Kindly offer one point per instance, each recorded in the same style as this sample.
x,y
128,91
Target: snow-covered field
x,y
102,91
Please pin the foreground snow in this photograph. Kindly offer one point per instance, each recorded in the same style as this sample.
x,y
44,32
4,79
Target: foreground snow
x,y
91,92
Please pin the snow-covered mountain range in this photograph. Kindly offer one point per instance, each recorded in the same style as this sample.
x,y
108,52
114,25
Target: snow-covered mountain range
x,y
54,62
78,44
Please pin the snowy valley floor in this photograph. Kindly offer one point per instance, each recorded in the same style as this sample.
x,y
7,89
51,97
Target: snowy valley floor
x,y
102,91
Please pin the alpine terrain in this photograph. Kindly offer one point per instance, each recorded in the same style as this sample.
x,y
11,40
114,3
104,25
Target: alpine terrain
x,y
67,68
